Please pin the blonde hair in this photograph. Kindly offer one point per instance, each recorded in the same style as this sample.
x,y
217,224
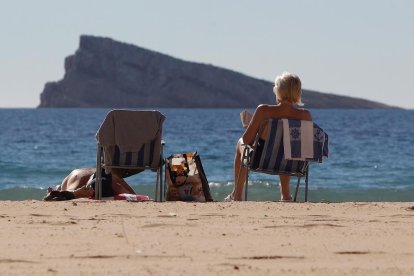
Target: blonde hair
x,y
288,87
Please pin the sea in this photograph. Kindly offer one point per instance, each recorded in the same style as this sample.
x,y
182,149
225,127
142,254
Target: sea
x,y
371,152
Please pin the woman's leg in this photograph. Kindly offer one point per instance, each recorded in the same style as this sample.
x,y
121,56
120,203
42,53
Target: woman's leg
x,y
240,173
284,187
120,186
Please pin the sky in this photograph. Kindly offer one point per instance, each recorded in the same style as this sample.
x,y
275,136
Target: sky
x,y
358,48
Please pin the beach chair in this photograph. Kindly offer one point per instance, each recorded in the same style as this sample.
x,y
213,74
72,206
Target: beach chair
x,y
288,149
129,142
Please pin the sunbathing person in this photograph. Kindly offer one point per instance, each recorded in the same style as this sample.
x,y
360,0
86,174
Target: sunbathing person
x,y
80,183
288,94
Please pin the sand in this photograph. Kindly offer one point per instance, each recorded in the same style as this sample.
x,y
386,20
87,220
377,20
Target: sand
x,y
86,237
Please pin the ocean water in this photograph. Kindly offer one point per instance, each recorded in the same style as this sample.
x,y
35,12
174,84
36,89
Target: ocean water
x,y
371,152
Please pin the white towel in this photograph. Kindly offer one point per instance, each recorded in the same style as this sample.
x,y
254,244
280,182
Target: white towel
x,y
298,140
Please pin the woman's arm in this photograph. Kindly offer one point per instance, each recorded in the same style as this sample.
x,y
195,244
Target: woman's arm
x,y
251,131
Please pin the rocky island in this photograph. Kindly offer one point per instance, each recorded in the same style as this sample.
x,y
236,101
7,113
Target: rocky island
x,y
111,74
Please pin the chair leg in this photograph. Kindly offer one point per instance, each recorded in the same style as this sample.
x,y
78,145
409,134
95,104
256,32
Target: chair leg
x,y
156,185
246,185
162,164
306,185
98,181
165,184
161,184
297,190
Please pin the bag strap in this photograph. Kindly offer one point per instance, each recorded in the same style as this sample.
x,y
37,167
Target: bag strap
x,y
203,177
187,167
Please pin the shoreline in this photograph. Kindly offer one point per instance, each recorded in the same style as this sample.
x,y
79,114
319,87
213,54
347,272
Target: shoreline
x,y
176,238
256,193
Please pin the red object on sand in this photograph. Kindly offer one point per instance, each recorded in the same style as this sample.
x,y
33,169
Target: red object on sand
x,y
131,197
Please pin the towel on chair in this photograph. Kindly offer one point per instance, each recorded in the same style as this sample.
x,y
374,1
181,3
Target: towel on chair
x,y
304,140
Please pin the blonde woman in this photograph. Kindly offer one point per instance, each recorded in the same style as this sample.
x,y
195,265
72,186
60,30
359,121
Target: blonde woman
x,y
288,92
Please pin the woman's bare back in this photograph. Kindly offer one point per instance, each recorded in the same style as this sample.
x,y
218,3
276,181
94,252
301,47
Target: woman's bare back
x,y
265,112
76,179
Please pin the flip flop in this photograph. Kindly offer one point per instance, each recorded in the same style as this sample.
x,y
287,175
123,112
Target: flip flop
x,y
229,198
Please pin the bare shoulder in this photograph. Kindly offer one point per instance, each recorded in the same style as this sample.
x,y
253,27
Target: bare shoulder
x,y
262,111
262,107
305,114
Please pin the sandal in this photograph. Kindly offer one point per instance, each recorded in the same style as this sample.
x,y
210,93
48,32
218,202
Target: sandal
x,y
229,198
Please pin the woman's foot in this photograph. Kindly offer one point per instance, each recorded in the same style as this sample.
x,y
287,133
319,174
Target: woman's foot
x,y
285,192
288,199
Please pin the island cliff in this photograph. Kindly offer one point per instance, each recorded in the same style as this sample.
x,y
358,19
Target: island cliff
x,y
107,73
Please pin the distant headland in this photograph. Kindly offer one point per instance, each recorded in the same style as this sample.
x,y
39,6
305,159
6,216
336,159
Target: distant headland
x,y
111,74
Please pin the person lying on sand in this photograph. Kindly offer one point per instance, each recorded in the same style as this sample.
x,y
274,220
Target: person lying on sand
x,y
80,183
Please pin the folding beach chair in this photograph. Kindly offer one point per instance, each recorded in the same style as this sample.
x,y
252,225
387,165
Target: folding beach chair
x,y
289,147
129,142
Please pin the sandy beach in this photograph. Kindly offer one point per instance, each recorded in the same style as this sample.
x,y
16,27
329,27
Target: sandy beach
x,y
86,237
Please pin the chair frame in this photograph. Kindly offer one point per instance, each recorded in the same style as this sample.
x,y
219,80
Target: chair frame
x,y
247,159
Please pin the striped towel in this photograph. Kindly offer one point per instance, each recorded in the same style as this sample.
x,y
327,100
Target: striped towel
x,y
269,154
304,140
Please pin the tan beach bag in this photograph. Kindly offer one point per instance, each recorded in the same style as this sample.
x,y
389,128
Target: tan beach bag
x,y
185,178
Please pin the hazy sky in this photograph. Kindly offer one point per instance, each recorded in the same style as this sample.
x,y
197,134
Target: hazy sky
x,y
356,47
